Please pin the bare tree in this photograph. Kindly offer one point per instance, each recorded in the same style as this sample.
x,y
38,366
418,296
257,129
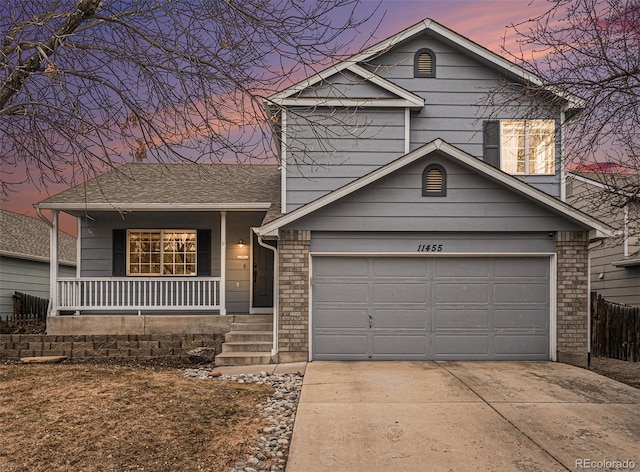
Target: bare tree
x,y
88,84
588,48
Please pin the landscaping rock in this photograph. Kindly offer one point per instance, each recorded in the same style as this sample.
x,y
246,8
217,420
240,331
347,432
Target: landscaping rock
x,y
43,359
202,355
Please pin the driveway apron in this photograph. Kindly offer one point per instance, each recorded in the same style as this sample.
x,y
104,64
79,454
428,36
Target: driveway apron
x,y
459,416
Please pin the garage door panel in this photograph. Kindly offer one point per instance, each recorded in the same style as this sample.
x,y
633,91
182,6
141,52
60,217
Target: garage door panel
x,y
341,318
532,293
340,292
528,345
461,267
401,268
398,346
461,293
402,319
342,267
522,267
340,345
408,292
520,318
461,345
461,319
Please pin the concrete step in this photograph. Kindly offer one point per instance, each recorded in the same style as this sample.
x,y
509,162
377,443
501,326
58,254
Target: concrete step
x,y
243,358
248,336
251,326
263,318
247,346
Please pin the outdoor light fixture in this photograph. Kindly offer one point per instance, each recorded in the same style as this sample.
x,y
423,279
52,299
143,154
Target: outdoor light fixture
x,y
241,243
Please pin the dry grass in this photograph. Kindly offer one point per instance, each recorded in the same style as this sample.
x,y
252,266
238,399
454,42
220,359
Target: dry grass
x,y
111,418
622,371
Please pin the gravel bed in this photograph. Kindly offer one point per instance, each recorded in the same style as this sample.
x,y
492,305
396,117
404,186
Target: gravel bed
x,y
268,453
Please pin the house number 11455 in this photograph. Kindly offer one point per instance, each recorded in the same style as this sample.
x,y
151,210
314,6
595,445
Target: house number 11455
x,y
430,247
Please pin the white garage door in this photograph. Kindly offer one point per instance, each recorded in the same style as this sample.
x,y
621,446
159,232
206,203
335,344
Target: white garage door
x,y
430,308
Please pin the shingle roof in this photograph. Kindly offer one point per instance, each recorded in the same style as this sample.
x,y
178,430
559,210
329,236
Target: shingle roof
x,y
26,237
176,184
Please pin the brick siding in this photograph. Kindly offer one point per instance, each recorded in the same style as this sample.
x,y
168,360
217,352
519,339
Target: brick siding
x,y
293,289
572,296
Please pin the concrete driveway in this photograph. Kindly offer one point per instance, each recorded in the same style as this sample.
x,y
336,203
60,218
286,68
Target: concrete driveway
x,y
459,416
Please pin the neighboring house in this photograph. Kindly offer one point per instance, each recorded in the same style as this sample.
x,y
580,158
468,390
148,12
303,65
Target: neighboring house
x,y
24,258
407,221
614,198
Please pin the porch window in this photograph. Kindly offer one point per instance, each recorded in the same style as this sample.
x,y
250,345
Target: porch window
x,y
527,147
162,252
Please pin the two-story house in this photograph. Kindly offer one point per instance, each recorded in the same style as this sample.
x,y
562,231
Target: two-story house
x,y
407,220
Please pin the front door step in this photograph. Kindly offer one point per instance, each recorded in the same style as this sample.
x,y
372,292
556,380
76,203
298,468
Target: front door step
x,y
243,358
248,343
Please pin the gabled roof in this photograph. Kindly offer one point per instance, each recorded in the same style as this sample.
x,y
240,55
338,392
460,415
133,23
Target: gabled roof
x,y
25,237
404,98
600,229
175,187
444,34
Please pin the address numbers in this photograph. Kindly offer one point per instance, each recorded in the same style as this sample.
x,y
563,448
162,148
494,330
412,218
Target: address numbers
x,y
430,247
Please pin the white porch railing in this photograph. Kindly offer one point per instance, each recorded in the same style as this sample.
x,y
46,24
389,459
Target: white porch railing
x,y
139,293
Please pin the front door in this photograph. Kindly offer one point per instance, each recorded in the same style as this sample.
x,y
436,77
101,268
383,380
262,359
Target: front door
x,y
262,276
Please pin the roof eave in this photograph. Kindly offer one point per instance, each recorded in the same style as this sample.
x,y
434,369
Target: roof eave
x,y
124,206
34,258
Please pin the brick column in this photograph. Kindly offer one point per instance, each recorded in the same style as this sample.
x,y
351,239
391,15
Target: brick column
x,y
293,291
573,297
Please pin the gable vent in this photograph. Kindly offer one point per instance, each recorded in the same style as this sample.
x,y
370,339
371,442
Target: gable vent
x,y
434,181
425,63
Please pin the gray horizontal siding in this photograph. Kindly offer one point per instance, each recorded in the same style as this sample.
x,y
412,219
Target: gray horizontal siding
x,y
97,234
395,202
454,112
345,84
326,153
408,242
617,284
25,276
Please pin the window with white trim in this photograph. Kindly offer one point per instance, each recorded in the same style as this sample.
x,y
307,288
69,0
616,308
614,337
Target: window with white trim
x,y
162,252
527,147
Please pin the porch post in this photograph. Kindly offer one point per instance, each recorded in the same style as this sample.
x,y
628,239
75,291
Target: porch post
x,y
223,262
53,263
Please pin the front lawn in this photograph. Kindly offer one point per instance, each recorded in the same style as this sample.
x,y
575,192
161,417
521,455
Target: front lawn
x,y
83,417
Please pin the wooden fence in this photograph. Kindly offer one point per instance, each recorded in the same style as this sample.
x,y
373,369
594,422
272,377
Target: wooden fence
x,y
615,329
28,309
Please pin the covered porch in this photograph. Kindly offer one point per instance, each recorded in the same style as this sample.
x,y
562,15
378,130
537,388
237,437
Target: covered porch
x,y
207,261
167,239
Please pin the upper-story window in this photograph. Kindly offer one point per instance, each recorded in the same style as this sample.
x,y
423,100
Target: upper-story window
x,y
424,63
521,147
434,181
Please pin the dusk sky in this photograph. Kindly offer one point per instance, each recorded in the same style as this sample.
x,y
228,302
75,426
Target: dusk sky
x,y
483,21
